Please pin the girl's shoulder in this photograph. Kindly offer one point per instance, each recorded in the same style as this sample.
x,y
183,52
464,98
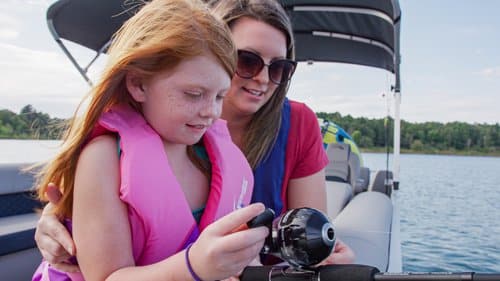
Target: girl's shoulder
x,y
100,147
104,141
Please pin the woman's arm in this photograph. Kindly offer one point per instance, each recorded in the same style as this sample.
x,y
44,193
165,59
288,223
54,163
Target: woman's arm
x,y
308,191
51,235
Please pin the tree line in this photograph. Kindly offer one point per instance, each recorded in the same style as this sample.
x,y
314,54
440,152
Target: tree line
x,y
30,124
427,137
370,134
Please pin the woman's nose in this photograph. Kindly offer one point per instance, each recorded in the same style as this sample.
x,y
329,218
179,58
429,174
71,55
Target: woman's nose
x,y
263,75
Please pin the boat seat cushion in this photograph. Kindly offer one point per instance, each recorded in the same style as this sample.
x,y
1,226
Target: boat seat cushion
x,y
17,232
365,225
338,166
337,196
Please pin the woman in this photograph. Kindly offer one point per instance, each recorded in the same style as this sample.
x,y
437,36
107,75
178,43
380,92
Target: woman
x,y
280,138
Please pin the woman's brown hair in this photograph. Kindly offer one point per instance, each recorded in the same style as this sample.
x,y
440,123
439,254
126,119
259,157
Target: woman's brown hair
x,y
263,130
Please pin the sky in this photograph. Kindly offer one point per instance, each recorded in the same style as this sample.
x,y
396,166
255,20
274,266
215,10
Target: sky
x,y
450,67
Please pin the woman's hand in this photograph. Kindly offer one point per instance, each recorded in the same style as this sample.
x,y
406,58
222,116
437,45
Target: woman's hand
x,y
224,249
341,254
52,238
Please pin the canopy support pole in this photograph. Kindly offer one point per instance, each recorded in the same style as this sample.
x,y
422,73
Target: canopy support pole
x,y
59,42
397,136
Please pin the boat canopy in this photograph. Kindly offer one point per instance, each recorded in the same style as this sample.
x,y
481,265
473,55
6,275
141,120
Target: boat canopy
x,y
363,32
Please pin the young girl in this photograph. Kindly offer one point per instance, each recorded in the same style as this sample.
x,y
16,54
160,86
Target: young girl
x,y
145,170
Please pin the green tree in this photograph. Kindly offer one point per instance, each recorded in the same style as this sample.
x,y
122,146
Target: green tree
x,y
29,124
356,136
424,137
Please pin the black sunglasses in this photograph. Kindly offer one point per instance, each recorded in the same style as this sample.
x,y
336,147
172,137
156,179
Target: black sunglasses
x,y
250,65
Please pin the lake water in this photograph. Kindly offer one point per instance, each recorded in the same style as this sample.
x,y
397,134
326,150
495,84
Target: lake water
x,y
450,206
450,211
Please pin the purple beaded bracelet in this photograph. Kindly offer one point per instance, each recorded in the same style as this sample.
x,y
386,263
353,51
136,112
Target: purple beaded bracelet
x,y
190,268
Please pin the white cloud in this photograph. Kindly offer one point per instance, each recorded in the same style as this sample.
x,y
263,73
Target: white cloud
x,y
9,26
8,34
43,3
445,107
12,4
8,19
38,77
491,72
336,88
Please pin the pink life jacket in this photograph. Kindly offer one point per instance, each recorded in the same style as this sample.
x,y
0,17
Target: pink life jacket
x,y
160,218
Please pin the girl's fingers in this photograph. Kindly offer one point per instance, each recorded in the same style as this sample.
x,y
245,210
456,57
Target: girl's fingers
x,y
234,220
246,238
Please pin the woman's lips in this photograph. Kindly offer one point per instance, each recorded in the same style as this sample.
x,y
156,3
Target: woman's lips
x,y
255,93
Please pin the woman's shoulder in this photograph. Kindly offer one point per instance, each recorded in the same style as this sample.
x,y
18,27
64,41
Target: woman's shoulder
x,y
300,110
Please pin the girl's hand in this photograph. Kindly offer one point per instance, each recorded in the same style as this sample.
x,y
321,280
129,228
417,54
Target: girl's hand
x,y
223,249
254,262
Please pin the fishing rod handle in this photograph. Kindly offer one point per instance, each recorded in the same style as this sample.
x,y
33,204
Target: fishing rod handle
x,y
350,272
355,272
436,276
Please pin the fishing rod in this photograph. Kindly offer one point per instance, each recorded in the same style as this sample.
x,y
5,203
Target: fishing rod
x,y
355,272
304,237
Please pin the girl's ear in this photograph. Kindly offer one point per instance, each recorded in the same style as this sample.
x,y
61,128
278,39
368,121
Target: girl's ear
x,y
134,87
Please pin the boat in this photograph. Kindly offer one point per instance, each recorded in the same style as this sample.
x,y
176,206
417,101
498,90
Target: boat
x,y
19,256
361,204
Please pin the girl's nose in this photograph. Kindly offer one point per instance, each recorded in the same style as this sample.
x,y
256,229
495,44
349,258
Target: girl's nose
x,y
211,109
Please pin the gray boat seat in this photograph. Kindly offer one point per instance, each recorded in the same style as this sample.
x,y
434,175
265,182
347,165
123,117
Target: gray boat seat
x,y
382,182
354,170
338,166
365,225
338,186
338,194
363,180
19,256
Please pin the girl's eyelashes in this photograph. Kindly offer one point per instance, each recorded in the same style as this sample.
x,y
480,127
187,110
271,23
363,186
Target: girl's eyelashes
x,y
193,94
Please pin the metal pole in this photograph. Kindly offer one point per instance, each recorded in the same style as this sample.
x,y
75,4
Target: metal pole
x,y
397,137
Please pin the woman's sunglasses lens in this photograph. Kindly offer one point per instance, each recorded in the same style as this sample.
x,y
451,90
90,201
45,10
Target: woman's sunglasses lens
x,y
281,71
249,64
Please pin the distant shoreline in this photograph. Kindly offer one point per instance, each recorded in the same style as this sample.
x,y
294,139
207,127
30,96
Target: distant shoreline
x,y
371,135
431,152
366,150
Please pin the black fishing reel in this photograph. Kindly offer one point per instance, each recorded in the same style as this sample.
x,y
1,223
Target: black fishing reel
x,y
303,237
